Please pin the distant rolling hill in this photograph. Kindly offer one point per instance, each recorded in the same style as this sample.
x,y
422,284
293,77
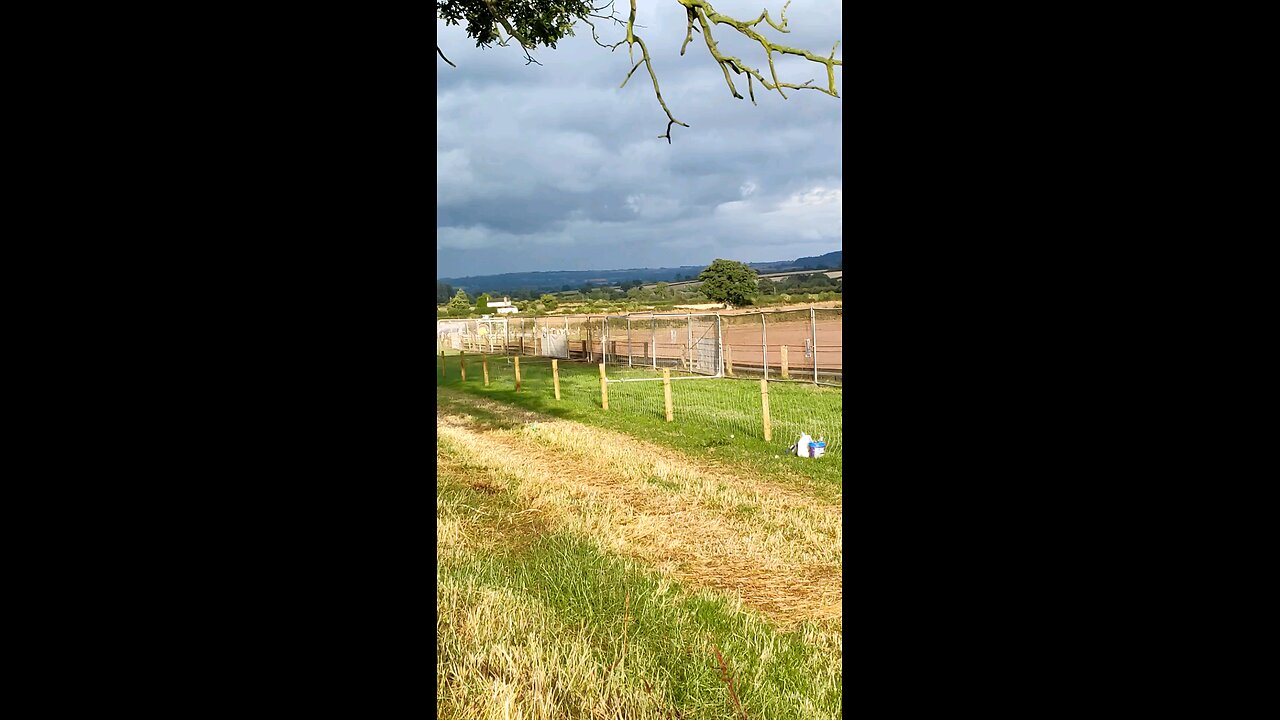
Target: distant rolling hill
x,y
556,280
830,261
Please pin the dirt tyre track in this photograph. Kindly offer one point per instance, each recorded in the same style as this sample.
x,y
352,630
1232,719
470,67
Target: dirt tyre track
x,y
776,549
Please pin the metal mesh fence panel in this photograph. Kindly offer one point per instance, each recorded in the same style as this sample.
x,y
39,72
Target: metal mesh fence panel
x,y
704,350
515,336
830,345
789,337
609,331
473,336
690,345
672,342
593,331
550,338
634,338
744,345
576,337
449,335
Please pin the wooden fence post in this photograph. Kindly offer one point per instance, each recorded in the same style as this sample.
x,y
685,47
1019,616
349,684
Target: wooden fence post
x,y
666,391
484,362
517,373
462,364
555,376
764,409
604,389
784,363
441,364
728,360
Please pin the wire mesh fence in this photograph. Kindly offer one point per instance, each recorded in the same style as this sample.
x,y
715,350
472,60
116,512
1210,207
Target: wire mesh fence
x,y
714,363
735,407
802,345
730,409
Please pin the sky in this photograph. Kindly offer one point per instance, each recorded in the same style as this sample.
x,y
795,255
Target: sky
x,y
553,167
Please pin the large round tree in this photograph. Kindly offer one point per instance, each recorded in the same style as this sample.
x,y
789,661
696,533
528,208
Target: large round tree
x,y
729,281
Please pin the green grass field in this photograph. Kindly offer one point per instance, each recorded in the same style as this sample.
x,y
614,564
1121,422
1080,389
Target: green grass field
x,y
611,565
717,418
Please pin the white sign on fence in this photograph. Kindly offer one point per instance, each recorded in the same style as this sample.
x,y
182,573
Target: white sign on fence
x,y
554,342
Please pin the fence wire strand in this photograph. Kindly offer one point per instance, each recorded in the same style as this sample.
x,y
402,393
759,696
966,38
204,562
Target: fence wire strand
x,y
715,360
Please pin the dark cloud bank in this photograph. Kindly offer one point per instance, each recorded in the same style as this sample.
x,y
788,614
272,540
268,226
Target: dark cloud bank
x,y
554,167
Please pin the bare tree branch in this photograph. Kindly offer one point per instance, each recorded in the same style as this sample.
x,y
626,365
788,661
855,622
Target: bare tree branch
x,y
596,37
705,16
524,45
706,13
633,39
689,32
699,17
629,74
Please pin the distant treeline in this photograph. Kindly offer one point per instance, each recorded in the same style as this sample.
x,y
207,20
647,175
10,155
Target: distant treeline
x,y
532,285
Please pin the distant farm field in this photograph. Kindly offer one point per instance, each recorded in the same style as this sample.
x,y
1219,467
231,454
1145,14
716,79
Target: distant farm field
x,y
596,564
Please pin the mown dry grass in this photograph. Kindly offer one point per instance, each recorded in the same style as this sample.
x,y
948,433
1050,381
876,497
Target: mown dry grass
x,y
781,556
584,574
559,629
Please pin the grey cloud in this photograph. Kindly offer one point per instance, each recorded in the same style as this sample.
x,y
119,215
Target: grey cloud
x,y
554,167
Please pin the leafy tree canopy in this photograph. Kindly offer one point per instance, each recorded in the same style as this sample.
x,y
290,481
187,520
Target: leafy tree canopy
x,y
729,281
460,300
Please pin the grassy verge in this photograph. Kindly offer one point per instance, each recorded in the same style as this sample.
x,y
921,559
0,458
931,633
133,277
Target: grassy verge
x,y
775,548
537,623
715,420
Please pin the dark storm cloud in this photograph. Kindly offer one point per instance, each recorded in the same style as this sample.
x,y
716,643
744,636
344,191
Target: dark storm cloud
x,y
554,167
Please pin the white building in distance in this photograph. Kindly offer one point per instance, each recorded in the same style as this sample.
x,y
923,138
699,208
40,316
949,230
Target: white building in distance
x,y
504,306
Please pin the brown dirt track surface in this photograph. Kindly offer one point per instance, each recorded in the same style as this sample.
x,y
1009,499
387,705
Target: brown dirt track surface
x,y
745,343
777,549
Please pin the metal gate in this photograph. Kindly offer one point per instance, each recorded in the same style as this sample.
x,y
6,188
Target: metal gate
x,y
679,341
449,334
554,342
705,351
492,334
